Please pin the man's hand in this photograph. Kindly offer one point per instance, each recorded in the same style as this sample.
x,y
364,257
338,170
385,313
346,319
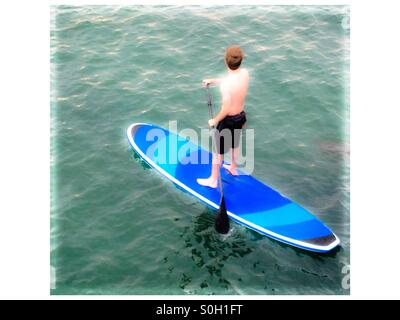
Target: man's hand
x,y
207,82
212,122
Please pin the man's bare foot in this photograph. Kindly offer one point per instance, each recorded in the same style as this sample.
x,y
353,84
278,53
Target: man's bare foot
x,y
210,182
231,169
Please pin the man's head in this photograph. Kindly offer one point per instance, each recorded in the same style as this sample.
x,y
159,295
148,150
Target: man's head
x,y
233,57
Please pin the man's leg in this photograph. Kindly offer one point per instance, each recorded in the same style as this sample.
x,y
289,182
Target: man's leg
x,y
233,166
212,181
216,166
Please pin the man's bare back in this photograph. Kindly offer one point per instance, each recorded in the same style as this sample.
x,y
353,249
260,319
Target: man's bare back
x,y
234,90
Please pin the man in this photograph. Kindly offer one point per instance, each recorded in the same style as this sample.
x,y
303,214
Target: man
x,y
231,117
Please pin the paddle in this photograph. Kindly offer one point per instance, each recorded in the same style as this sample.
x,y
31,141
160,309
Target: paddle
x,y
221,219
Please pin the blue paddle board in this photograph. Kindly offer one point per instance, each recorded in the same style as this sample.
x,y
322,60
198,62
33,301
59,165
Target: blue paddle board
x,y
249,202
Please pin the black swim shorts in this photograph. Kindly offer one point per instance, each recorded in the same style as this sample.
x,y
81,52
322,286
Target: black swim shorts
x,y
228,132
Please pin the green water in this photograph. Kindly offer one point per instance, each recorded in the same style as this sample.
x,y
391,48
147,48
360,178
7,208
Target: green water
x,y
117,227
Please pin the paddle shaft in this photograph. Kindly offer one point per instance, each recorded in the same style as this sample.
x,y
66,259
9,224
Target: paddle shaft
x,y
211,113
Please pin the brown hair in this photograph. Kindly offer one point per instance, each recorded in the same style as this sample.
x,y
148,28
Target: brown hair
x,y
233,57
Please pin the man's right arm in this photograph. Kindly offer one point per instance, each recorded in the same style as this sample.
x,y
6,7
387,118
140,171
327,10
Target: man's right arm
x,y
207,82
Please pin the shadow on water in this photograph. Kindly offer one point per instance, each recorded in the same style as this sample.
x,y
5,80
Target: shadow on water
x,y
210,250
134,156
214,253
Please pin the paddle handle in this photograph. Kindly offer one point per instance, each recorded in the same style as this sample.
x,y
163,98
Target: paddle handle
x,y
209,103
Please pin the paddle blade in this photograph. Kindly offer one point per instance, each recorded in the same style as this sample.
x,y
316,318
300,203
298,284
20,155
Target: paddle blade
x,y
222,219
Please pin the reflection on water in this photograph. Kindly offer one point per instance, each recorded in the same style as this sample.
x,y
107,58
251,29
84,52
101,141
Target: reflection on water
x,y
138,159
210,250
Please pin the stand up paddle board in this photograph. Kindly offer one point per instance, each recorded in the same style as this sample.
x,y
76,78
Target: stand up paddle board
x,y
248,201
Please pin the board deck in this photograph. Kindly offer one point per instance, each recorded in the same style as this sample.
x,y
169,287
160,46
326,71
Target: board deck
x,y
248,201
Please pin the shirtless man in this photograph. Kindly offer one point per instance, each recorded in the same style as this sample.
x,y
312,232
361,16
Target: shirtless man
x,y
231,116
